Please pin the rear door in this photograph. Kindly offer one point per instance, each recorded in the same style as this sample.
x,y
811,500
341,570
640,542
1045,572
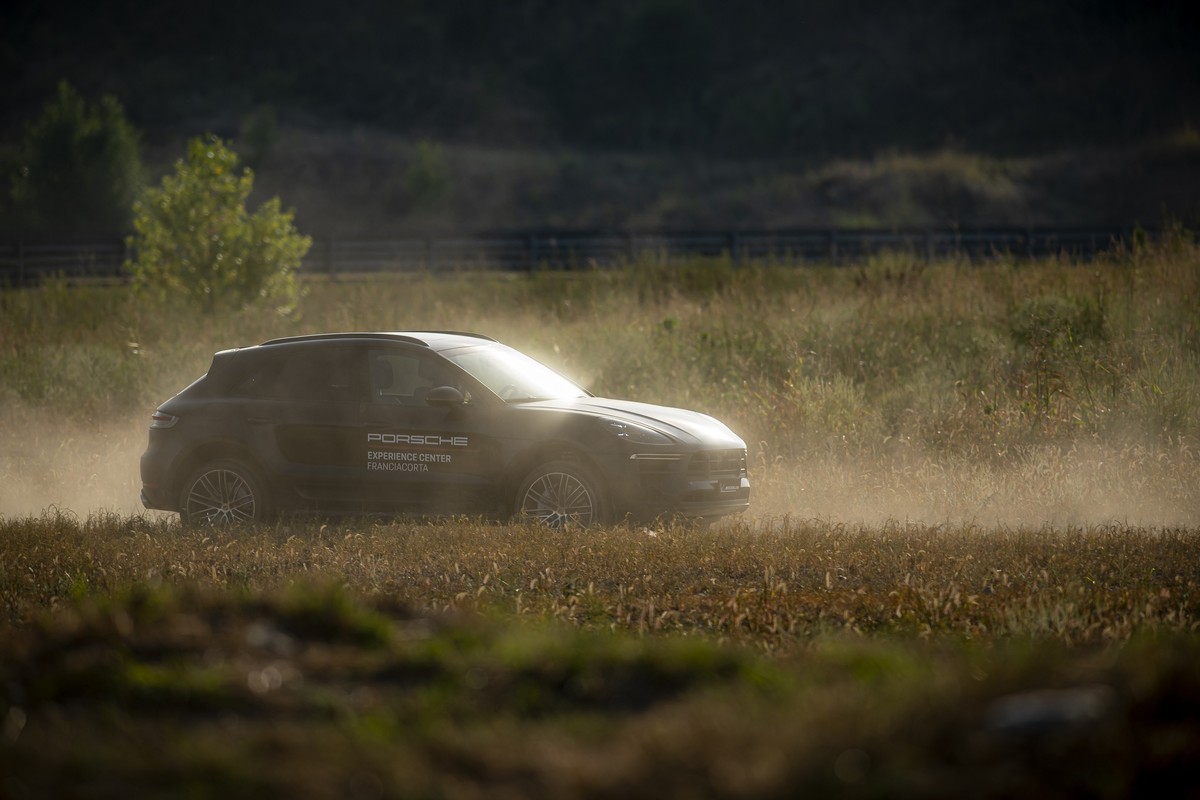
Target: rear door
x,y
305,410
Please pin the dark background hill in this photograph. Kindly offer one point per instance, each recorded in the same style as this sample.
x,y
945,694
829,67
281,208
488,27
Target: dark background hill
x,y
690,96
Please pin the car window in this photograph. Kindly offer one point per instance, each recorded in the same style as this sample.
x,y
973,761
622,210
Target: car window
x,y
404,378
256,380
308,374
513,376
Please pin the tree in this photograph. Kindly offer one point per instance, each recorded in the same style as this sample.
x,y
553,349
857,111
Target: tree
x,y
79,168
194,237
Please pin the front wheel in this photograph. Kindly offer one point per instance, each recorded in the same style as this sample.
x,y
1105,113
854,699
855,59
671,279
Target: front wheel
x,y
221,494
562,494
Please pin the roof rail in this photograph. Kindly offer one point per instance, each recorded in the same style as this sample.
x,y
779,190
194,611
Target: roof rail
x,y
405,337
462,333
317,337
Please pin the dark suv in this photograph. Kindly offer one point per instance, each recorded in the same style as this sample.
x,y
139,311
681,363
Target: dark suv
x,y
427,422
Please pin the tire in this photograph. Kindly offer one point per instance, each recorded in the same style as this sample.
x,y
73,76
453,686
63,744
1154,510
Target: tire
x,y
562,494
223,494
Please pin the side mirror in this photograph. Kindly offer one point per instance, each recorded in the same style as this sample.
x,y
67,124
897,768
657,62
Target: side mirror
x,y
444,397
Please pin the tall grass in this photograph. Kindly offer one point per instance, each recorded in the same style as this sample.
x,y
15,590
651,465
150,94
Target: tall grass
x,y
996,364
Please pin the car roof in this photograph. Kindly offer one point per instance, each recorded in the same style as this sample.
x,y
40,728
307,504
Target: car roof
x,y
434,340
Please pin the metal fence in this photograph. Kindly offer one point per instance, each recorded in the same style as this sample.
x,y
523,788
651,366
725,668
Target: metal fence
x,y
27,262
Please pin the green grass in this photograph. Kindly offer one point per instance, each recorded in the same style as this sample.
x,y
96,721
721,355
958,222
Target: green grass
x,y
970,567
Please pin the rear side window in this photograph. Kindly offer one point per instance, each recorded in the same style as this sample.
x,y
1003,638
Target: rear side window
x,y
306,374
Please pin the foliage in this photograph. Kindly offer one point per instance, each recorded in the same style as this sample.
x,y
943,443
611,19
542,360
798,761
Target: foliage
x,y
79,168
195,238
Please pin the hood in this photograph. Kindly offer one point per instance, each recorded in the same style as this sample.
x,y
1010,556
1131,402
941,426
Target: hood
x,y
689,427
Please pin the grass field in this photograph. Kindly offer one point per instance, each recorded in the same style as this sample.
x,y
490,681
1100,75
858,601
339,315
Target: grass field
x,y
970,566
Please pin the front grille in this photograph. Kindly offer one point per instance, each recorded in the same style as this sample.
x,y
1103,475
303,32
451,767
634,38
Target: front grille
x,y
717,464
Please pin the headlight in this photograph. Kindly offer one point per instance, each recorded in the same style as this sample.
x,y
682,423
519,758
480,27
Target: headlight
x,y
632,432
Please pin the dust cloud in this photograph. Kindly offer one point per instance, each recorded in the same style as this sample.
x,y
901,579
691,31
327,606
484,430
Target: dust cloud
x,y
48,465
1081,486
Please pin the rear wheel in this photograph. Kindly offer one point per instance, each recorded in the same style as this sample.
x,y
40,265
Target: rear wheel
x,y
562,494
223,493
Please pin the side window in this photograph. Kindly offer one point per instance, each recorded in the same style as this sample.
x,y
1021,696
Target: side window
x,y
258,381
327,375
404,378
310,374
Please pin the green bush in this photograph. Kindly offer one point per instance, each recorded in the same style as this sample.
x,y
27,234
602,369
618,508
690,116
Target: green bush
x,y
195,239
79,169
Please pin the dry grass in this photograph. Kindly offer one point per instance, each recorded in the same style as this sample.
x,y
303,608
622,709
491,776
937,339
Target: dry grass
x,y
775,585
994,393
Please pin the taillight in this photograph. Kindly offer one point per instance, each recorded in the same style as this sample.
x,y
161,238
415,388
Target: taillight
x,y
161,419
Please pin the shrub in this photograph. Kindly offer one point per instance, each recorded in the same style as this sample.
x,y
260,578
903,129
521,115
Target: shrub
x,y
195,239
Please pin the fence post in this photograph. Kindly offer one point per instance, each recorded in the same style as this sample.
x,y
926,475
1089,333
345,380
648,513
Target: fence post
x,y
20,263
533,252
833,245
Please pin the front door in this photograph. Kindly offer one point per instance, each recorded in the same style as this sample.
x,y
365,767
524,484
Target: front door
x,y
421,457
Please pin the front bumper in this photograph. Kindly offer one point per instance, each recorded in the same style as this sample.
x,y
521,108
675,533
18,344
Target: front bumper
x,y
707,483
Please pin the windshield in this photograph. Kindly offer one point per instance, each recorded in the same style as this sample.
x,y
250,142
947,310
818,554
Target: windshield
x,y
513,376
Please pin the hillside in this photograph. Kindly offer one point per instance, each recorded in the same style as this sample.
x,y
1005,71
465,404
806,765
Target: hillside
x,y
383,119
360,183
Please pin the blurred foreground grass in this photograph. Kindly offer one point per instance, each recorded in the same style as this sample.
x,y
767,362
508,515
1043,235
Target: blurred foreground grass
x,y
466,659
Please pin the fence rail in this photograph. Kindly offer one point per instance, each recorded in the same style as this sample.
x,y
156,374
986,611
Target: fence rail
x,y
27,262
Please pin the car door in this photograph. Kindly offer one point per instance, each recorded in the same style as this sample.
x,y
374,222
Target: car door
x,y
307,414
436,459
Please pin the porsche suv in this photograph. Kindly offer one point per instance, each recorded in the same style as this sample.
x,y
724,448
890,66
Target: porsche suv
x,y
428,423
